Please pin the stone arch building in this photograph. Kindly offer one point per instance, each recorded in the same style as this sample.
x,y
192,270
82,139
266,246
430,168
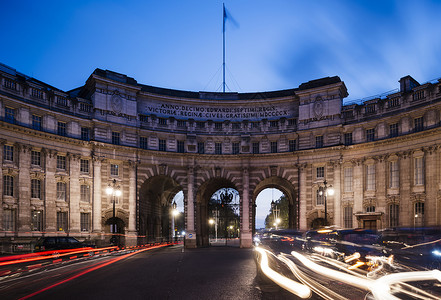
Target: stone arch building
x,y
60,150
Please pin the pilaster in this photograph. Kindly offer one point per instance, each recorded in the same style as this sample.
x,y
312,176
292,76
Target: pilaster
x,y
245,232
190,236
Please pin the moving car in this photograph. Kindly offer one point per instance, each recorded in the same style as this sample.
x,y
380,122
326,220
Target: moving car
x,y
59,243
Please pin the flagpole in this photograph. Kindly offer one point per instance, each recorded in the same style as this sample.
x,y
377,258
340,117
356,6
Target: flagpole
x,y
223,35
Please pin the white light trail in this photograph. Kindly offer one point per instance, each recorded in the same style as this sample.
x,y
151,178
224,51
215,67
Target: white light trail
x,y
293,287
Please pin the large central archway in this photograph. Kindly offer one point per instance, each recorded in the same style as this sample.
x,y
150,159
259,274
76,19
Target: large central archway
x,y
155,208
203,197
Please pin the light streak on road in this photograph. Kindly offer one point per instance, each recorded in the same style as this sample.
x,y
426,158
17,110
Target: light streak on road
x,y
93,268
293,287
381,287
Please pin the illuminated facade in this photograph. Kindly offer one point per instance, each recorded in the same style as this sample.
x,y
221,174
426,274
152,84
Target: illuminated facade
x,y
60,150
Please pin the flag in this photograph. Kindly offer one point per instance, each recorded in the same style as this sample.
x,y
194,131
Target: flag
x,y
227,16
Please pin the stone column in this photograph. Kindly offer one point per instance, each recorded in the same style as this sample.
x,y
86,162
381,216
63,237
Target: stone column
x,y
337,219
359,179
302,197
246,239
24,189
50,191
406,213
430,179
131,239
74,195
97,190
2,205
190,236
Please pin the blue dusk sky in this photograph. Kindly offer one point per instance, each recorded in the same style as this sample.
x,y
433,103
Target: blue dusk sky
x,y
272,45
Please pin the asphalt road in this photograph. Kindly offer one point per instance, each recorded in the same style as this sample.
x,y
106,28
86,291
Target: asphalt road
x,y
166,273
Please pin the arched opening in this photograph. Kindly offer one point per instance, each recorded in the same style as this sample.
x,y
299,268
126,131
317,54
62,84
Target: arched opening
x,y
283,194
271,209
115,229
156,211
178,217
224,217
204,211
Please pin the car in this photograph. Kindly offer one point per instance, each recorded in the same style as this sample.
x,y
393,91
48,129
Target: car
x,y
59,243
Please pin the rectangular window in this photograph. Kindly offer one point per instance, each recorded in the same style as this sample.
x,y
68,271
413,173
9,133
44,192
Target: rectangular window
x,y
394,211
320,199
418,124
162,145
61,162
8,185
85,193
36,122
10,84
370,109
274,124
200,125
84,166
9,220
115,138
394,175
273,146
347,217
291,122
218,126
143,142
419,214
85,133
394,102
393,130
61,191
36,158
162,121
370,177
320,172
10,115
217,148
256,148
61,128
348,138
62,101
235,148
292,145
236,126
114,170
418,171
85,221
418,95
370,209
37,93
181,146
62,221
348,179
181,123
143,118
319,141
35,188
370,134
37,220
255,125
8,153
201,147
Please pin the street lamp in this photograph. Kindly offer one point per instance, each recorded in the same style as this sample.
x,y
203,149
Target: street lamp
x,y
276,213
325,191
174,213
113,190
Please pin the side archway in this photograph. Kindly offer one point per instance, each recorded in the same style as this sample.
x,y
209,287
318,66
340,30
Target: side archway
x,y
155,207
288,189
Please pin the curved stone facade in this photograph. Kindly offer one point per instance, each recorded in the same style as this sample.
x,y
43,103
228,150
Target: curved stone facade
x,y
60,150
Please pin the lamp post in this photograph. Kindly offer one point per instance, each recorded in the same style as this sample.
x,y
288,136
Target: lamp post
x,y
325,191
276,213
113,190
174,213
